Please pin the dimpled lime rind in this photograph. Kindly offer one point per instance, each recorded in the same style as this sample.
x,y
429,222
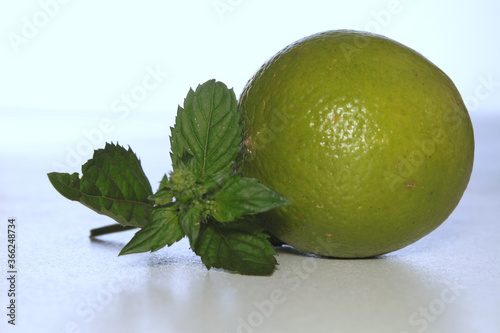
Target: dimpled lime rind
x,y
370,141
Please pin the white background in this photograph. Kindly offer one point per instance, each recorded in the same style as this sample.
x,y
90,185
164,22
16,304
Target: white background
x,y
67,69
67,65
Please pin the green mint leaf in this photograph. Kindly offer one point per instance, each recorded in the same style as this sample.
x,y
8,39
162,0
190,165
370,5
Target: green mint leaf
x,y
164,230
241,246
188,162
208,129
67,185
163,182
190,220
244,196
162,196
112,184
213,182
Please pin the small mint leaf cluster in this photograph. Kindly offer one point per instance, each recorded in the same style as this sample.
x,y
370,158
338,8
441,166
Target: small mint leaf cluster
x,y
203,199
185,185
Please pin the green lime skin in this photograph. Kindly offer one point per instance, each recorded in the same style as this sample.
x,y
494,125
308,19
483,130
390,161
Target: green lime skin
x,y
370,141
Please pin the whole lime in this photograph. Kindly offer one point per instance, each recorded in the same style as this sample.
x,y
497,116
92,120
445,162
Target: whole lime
x,y
370,141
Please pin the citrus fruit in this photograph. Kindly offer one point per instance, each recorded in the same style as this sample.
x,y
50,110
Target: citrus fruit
x,y
370,141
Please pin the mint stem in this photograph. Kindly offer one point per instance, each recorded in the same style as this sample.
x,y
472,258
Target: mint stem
x,y
109,229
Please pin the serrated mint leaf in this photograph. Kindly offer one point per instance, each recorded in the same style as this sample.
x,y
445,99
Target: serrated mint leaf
x,y
188,162
241,246
164,230
162,196
112,183
213,182
67,185
208,128
190,221
244,196
163,182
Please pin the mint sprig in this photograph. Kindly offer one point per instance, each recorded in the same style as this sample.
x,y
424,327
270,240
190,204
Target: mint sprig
x,y
201,199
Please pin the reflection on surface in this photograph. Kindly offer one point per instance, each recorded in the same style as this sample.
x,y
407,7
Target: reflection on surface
x,y
387,294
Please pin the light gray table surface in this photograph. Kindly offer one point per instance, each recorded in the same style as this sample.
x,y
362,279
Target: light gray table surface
x,y
447,282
